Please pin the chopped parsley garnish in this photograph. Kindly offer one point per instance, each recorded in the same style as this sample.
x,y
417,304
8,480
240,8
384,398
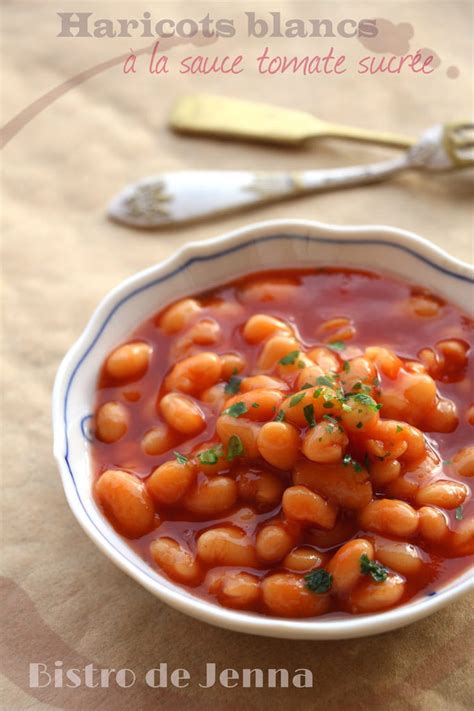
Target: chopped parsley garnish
x,y
377,571
318,581
348,460
337,345
235,410
459,513
332,423
233,386
364,399
317,393
346,366
280,416
309,415
255,404
346,407
399,429
210,456
296,399
357,386
301,364
328,404
180,458
235,448
290,358
306,386
325,380
376,381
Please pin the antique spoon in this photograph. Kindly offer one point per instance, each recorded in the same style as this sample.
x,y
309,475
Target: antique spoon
x,y
176,197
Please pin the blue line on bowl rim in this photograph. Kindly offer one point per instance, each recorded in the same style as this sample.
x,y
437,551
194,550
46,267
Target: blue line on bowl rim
x,y
205,258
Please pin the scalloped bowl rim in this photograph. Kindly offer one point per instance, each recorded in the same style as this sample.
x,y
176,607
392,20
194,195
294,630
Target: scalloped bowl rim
x,y
174,595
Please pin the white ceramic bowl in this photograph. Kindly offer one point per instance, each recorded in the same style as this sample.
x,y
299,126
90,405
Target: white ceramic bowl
x,y
199,266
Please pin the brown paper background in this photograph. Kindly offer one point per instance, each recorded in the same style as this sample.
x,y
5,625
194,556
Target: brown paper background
x,y
62,599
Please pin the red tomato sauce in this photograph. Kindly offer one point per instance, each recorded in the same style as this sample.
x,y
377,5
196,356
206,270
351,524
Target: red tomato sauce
x,y
378,311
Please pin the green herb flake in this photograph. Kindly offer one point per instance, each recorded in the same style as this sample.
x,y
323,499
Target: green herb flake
x,y
290,358
235,448
377,571
328,404
330,419
306,386
357,386
309,415
376,381
399,429
210,456
337,345
346,366
325,380
347,459
301,364
255,405
364,399
459,513
296,399
180,458
280,416
447,462
235,410
233,386
346,407
318,581
317,393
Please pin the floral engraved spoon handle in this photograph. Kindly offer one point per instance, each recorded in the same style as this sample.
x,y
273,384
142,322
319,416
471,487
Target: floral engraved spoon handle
x,y
177,197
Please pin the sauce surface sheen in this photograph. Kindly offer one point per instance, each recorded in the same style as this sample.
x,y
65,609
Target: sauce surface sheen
x,y
343,312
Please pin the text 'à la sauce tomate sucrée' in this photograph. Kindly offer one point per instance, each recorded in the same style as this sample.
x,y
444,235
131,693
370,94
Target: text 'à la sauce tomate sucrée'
x,y
294,443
